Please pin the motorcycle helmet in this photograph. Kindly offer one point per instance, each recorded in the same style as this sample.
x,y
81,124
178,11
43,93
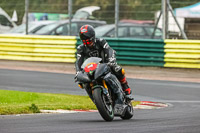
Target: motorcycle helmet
x,y
87,35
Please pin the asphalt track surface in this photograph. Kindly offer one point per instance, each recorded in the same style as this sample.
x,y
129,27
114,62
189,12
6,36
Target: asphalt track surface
x,y
182,116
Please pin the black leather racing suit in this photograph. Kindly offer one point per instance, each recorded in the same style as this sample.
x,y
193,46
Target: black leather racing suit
x,y
99,49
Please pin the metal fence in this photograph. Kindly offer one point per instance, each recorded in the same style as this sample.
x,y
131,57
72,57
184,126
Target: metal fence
x,y
142,10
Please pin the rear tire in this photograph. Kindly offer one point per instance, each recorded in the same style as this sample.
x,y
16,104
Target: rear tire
x,y
129,112
105,108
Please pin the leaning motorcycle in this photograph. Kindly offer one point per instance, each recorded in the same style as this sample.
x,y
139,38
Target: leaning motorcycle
x,y
94,79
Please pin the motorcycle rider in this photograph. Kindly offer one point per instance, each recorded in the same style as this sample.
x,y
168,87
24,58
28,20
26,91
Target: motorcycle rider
x,y
96,47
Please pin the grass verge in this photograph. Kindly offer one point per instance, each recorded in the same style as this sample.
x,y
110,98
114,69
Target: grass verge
x,y
17,102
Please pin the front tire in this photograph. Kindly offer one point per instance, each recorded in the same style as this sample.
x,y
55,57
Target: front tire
x,y
105,108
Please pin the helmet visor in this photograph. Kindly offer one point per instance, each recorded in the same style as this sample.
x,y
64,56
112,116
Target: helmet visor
x,y
88,42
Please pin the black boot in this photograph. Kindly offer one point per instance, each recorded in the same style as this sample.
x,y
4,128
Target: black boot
x,y
127,91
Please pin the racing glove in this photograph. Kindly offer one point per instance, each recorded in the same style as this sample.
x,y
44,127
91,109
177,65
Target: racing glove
x,y
112,61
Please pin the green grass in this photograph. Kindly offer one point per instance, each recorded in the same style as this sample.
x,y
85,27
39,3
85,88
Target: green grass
x,y
17,102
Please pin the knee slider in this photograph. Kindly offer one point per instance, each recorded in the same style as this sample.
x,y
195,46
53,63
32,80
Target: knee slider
x,y
119,70
123,71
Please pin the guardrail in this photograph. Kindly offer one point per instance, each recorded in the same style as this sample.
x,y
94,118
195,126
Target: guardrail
x,y
38,48
168,53
139,52
182,53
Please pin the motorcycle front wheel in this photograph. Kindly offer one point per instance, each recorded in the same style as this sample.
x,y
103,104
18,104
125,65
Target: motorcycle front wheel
x,y
103,105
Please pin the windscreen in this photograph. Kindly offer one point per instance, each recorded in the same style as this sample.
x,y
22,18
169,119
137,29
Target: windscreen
x,y
90,60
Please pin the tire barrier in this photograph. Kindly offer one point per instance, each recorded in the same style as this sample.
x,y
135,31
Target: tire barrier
x,y
182,53
38,48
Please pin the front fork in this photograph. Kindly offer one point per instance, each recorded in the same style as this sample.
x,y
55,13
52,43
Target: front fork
x,y
105,91
89,87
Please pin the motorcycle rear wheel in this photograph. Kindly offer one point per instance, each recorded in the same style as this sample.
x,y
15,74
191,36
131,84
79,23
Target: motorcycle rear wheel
x,y
129,112
105,108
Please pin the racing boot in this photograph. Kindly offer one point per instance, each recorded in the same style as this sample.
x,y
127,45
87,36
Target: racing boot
x,y
126,88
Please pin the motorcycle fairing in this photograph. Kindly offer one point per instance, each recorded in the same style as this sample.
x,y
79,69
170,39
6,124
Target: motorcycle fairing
x,y
113,82
101,70
90,67
83,78
115,86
